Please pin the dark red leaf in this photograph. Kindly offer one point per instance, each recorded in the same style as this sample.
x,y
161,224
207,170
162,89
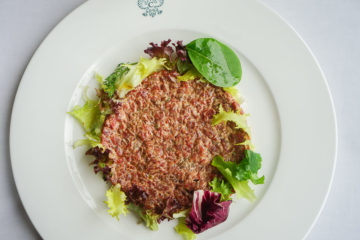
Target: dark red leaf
x,y
181,52
207,211
162,51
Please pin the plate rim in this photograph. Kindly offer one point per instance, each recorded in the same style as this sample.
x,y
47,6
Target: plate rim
x,y
334,115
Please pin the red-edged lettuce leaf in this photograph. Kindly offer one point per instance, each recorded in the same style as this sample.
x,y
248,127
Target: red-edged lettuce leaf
x,y
176,55
181,51
183,63
162,51
207,211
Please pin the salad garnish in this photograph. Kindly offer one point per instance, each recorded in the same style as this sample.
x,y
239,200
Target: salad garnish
x,y
215,61
206,61
207,211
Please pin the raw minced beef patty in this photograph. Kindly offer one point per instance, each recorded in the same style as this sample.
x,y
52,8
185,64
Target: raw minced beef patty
x,y
160,141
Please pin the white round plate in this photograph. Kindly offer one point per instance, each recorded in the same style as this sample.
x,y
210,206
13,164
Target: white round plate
x,y
292,117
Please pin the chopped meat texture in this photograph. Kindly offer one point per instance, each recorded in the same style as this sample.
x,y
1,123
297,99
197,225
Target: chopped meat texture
x,y
160,141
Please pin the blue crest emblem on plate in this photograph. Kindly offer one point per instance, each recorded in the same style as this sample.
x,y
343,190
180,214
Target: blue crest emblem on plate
x,y
151,7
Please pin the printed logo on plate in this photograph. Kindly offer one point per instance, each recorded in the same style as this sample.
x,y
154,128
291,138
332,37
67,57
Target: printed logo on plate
x,y
151,7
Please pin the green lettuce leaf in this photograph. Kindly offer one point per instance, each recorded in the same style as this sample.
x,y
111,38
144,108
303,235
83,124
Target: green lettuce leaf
x,y
243,190
248,143
183,66
182,213
116,201
234,91
88,115
184,231
138,72
99,78
92,118
190,74
127,76
109,85
239,174
222,187
149,219
249,167
239,119
88,142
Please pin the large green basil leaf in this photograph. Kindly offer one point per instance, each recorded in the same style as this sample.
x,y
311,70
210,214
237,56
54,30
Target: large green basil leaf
x,y
215,61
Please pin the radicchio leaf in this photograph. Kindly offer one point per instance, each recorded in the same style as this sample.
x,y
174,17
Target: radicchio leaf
x,y
207,211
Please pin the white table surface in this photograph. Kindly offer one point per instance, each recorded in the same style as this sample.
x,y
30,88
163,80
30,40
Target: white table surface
x,y
330,27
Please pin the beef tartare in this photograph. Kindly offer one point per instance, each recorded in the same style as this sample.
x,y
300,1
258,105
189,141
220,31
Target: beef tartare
x,y
161,141
170,137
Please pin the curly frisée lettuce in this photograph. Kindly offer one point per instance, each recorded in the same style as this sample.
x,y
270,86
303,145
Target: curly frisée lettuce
x,y
223,187
127,76
248,143
190,74
138,72
239,119
89,141
109,85
91,117
184,231
249,166
239,174
181,214
241,188
116,201
149,220
234,91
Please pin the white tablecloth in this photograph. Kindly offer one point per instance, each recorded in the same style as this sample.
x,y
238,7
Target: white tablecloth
x,y
330,27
